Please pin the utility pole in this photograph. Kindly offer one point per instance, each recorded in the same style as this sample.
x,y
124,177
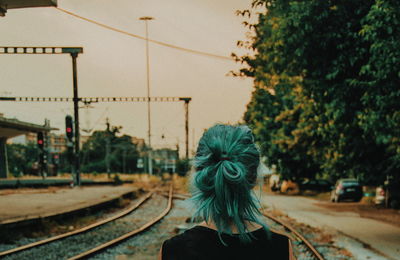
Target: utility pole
x,y
74,55
108,144
187,100
150,162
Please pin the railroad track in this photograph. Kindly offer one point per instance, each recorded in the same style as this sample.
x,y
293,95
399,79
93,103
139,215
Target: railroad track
x,y
308,251
90,232
306,248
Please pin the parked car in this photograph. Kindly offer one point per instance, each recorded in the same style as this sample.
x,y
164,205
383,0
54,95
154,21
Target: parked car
x,y
347,189
389,191
316,185
289,187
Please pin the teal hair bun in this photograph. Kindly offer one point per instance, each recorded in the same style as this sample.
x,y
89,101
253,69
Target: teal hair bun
x,y
226,164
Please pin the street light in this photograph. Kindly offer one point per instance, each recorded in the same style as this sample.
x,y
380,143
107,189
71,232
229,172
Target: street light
x,y
146,19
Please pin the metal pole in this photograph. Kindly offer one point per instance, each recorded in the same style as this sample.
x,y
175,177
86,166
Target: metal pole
x,y
149,157
148,83
76,117
187,127
108,143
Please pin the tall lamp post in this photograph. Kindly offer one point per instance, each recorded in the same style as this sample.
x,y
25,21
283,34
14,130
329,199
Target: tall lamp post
x,y
150,163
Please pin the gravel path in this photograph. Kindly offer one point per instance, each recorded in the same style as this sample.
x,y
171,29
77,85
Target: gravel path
x,y
74,245
320,239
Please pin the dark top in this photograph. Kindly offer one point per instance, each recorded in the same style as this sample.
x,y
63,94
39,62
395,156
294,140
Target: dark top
x,y
200,243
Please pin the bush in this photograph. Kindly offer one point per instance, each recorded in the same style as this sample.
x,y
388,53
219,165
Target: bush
x,y
182,167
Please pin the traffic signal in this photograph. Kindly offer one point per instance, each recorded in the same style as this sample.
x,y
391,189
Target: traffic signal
x,y
40,140
69,128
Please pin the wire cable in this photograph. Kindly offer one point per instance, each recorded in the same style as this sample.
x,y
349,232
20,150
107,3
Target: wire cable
x,y
144,38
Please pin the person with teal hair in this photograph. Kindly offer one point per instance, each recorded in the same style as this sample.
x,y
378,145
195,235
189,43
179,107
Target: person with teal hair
x,y
226,171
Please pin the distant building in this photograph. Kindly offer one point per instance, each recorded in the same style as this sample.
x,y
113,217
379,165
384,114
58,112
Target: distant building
x,y
29,138
165,159
139,142
57,143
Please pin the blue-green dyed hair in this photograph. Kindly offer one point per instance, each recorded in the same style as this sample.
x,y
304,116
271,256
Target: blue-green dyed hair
x,y
226,164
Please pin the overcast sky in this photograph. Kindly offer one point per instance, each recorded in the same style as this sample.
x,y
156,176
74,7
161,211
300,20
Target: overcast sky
x,y
114,64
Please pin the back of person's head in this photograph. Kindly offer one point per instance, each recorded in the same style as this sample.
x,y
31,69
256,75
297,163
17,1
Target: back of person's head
x,y
226,166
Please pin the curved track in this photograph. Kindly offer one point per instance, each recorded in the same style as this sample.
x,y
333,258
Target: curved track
x,y
78,231
88,228
118,240
314,252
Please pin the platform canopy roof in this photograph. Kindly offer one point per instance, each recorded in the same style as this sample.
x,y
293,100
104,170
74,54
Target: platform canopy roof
x,y
13,4
13,127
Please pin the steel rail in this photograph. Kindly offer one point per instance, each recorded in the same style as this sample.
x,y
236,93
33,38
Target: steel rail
x,y
78,231
179,196
117,240
294,231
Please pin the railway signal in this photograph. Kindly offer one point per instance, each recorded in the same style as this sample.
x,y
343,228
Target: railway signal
x,y
69,132
42,154
40,141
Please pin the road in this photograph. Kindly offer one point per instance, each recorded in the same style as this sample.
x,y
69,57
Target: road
x,y
382,237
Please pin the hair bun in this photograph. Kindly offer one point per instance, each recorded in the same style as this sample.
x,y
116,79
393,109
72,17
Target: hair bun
x,y
232,171
226,165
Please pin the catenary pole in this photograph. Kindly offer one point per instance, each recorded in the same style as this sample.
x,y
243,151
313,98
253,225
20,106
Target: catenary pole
x,y
77,179
150,161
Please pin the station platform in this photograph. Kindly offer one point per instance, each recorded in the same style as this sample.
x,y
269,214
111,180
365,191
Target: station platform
x,y
26,205
48,182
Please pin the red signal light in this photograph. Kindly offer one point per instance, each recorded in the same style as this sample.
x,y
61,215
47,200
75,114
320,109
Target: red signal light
x,y
69,128
40,140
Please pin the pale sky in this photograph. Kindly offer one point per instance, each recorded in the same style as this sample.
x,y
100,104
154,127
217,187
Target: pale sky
x,y
114,64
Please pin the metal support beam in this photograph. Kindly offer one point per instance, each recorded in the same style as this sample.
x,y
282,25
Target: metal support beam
x,y
73,51
39,50
88,100
76,119
85,100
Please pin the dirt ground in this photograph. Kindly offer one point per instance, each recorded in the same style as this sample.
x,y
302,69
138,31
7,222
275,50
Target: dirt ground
x,y
365,208
390,216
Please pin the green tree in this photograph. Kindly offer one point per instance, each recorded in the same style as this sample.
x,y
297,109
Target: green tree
x,y
380,118
21,158
123,153
183,166
319,71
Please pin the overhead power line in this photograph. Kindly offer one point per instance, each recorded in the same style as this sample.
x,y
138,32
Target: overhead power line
x,y
97,99
144,38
